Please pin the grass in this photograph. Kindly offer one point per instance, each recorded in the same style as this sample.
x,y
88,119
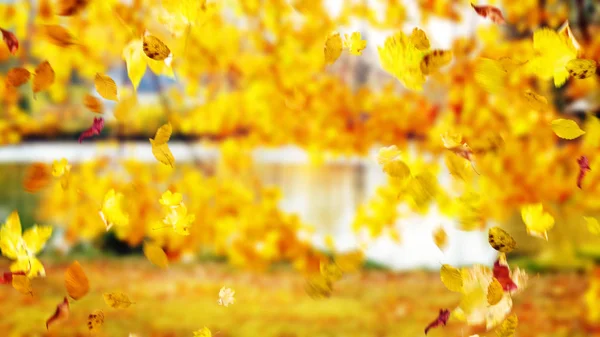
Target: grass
x,y
177,301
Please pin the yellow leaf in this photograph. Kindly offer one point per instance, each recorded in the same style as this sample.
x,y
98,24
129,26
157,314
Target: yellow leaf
x,y
58,35
458,166
553,52
117,300
113,211
95,321
22,284
330,271
494,292
440,238
566,128
351,261
163,154
163,134
44,77
401,58
592,129
155,48
536,220
204,332
508,327
17,76
161,67
451,277
155,255
419,39
435,60
35,238
106,87
318,287
581,68
500,240
93,104
171,199
535,101
60,167
333,48
592,225
354,43
136,62
490,75
76,281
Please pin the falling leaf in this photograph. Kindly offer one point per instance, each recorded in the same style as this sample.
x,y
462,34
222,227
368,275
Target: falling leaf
x,y
160,148
581,68
490,75
490,12
76,281
117,300
95,129
535,101
18,76
584,167
93,104
22,284
502,275
508,327
350,261
440,238
171,199
70,7
330,270
113,210
37,177
458,166
155,255
60,167
318,287
451,277
11,41
44,77
106,87
7,277
435,60
390,160
58,35
494,292
155,48
61,313
419,39
552,53
500,240
592,225
537,221
333,48
442,319
566,128
204,332
226,297
136,62
354,43
95,320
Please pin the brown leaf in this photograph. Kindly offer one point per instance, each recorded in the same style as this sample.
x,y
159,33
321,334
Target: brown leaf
x,y
70,7
44,77
95,320
76,281
155,48
11,41
61,313
18,76
490,12
38,176
93,104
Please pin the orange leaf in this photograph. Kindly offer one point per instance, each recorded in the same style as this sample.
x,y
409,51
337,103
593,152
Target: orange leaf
x,y
38,176
17,76
62,312
490,12
76,281
11,41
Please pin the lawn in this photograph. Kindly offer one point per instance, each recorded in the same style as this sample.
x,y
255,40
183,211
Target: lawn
x,y
373,303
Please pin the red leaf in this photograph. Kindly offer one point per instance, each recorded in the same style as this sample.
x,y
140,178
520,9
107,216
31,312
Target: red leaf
x,y
584,167
442,318
95,129
11,41
62,312
502,274
6,277
490,12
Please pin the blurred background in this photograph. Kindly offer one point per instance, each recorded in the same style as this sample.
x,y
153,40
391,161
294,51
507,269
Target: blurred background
x,y
276,156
